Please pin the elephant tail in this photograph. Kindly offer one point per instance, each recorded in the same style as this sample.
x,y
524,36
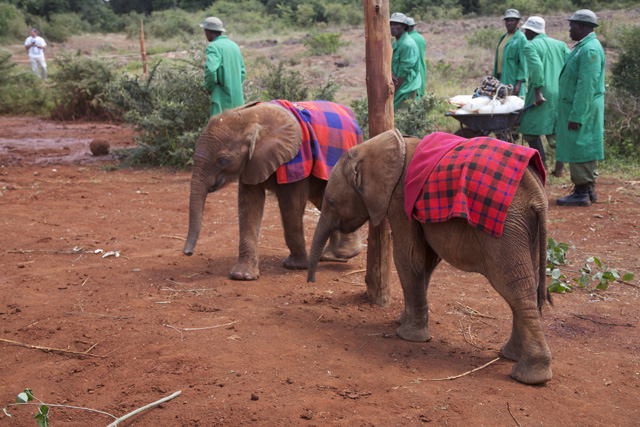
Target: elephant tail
x,y
543,293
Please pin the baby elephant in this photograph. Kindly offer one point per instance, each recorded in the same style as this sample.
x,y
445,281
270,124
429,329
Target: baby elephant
x,y
496,226
288,148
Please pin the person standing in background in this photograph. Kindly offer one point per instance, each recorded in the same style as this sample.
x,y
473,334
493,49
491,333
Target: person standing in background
x,y
545,58
509,65
35,45
224,69
405,69
422,47
581,109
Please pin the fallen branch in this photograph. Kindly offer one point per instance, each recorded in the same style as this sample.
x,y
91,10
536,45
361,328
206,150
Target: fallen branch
x,y
514,418
470,340
174,237
144,408
628,325
101,315
349,273
461,375
627,283
475,312
197,329
37,347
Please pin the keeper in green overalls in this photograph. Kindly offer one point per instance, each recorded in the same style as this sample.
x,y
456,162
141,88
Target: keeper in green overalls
x,y
509,65
405,67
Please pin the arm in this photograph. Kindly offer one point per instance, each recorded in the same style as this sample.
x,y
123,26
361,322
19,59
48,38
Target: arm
x,y
407,64
588,76
214,60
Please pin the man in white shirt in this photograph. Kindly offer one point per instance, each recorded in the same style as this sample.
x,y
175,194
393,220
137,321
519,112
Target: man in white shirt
x,y
36,45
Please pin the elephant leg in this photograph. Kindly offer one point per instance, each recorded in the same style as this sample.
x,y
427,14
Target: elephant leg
x,y
292,199
415,262
527,343
250,209
342,246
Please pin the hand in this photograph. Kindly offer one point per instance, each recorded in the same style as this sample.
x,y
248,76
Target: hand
x,y
539,99
516,88
574,126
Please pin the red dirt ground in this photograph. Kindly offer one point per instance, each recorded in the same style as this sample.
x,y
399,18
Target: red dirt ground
x,y
276,351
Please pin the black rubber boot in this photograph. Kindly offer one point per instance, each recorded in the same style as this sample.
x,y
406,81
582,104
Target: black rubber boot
x,y
537,144
579,197
593,196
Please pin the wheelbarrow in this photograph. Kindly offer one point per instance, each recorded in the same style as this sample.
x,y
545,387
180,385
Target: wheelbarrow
x,y
501,125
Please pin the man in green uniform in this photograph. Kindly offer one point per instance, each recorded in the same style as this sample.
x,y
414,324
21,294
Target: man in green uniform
x,y
545,57
422,47
224,69
581,109
405,67
509,65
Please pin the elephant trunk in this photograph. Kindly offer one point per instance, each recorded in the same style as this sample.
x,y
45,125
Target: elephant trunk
x,y
320,237
197,200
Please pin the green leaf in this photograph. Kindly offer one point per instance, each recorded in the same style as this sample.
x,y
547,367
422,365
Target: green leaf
x,y
5,412
22,398
583,280
29,393
628,276
597,261
42,416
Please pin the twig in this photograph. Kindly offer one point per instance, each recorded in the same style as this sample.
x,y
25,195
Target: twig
x,y
37,347
174,237
173,327
185,288
144,408
53,405
101,315
461,375
349,273
325,258
627,283
470,336
514,418
44,251
197,329
629,325
475,312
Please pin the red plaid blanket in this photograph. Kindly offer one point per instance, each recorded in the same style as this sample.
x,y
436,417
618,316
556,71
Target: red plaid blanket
x,y
476,179
328,131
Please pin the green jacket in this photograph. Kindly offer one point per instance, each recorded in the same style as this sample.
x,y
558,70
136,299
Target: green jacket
x,y
404,64
514,65
581,97
223,75
545,58
422,47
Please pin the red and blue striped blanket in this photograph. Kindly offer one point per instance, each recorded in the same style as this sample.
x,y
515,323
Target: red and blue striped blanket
x,y
474,179
328,131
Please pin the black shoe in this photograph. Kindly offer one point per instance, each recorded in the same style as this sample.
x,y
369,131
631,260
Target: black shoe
x,y
579,197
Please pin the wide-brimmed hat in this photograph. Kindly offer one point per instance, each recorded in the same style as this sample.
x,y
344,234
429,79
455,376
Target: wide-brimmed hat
x,y
535,24
212,23
410,22
399,17
511,13
585,16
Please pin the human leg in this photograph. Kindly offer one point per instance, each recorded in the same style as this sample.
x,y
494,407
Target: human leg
x,y
583,176
34,66
558,170
535,142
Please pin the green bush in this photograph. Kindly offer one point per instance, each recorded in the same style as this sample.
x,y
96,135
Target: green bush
x,y
171,23
21,91
79,86
486,38
169,108
282,83
12,23
625,72
322,43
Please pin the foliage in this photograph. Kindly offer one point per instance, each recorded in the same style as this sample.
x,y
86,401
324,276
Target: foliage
x,y
328,91
79,86
169,108
486,38
322,43
418,119
625,72
21,91
171,23
41,417
12,23
283,83
600,273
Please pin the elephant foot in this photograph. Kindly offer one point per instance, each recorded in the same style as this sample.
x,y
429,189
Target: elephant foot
x,y
343,246
244,272
532,370
296,262
511,351
402,318
410,333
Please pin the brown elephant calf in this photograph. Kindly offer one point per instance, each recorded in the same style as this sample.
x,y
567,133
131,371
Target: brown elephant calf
x,y
372,181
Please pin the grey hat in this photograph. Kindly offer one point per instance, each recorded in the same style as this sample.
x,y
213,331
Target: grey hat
x,y
511,13
585,16
535,24
399,17
410,22
212,23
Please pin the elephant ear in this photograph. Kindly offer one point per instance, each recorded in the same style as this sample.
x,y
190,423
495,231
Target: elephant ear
x,y
274,137
378,172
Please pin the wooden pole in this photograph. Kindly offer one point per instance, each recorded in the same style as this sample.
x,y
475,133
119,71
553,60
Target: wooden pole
x,y
380,92
143,51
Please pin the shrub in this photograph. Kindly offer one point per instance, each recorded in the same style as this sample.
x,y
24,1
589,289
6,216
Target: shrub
x,y
328,91
12,24
322,43
626,71
282,83
171,23
21,91
80,84
486,38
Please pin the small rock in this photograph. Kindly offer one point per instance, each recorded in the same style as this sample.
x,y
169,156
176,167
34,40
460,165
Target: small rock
x,y
254,396
99,147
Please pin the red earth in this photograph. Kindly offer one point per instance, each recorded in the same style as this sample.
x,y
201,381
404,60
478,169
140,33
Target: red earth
x,y
116,333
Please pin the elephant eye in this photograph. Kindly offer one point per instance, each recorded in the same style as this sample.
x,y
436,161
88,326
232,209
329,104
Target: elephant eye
x,y
331,203
223,161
